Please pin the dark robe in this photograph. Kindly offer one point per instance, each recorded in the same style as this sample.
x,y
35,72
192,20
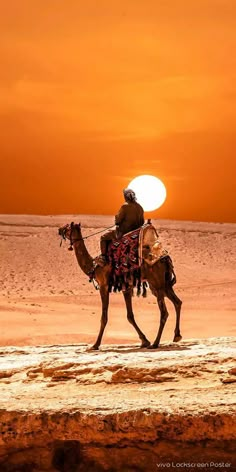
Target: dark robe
x,y
129,218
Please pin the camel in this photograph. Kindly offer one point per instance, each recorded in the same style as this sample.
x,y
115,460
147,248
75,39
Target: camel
x,y
159,285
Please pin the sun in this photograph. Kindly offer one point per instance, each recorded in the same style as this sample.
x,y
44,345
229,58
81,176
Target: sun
x,y
150,191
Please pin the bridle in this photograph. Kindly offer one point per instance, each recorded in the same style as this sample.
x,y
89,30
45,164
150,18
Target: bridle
x,y
64,229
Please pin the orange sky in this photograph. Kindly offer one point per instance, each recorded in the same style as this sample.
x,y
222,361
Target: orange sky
x,y
94,93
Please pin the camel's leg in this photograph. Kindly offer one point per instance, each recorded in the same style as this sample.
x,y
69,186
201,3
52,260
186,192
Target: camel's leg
x,y
104,293
164,315
130,317
177,304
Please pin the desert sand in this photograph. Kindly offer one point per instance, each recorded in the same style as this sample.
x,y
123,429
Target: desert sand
x,y
121,408
45,298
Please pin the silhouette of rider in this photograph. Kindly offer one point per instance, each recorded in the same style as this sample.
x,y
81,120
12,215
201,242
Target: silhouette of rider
x,y
129,218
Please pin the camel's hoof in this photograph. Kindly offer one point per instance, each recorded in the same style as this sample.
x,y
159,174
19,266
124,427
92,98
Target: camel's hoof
x,y
177,338
93,348
153,346
145,343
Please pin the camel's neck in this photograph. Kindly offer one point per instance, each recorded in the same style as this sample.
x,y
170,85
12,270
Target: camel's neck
x,y
84,259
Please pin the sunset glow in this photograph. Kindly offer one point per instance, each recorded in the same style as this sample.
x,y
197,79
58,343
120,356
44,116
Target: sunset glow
x,y
95,93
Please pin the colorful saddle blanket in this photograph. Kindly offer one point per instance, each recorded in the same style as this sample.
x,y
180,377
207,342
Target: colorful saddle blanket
x,y
125,255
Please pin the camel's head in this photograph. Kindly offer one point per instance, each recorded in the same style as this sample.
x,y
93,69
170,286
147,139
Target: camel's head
x,y
71,232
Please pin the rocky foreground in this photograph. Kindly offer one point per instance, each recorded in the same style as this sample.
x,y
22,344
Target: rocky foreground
x,y
65,408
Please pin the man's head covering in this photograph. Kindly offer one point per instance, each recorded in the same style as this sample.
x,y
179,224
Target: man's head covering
x,y
129,195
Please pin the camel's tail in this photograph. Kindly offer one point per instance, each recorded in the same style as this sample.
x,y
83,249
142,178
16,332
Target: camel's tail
x,y
170,273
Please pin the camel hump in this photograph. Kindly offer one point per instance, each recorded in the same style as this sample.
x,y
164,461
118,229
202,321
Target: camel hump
x,y
150,247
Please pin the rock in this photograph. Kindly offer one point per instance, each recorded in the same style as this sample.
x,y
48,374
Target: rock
x,y
228,380
119,409
232,371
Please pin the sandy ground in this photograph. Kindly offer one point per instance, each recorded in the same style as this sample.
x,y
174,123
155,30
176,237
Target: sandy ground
x,y
27,373
45,298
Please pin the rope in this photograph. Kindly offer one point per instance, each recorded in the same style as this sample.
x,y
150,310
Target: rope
x,y
97,232
85,237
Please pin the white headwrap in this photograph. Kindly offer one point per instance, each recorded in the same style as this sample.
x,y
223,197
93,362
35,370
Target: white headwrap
x,y
129,194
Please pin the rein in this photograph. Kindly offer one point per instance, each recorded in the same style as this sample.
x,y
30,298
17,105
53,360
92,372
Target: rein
x,y
85,237
93,234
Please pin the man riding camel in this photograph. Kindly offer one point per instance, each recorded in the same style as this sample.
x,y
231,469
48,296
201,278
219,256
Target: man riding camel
x,y
129,218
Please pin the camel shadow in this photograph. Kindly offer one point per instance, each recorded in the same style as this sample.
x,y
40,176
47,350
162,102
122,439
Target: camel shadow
x,y
126,349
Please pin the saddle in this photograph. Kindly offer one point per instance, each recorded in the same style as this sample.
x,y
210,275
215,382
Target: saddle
x,y
150,247
126,255
134,247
